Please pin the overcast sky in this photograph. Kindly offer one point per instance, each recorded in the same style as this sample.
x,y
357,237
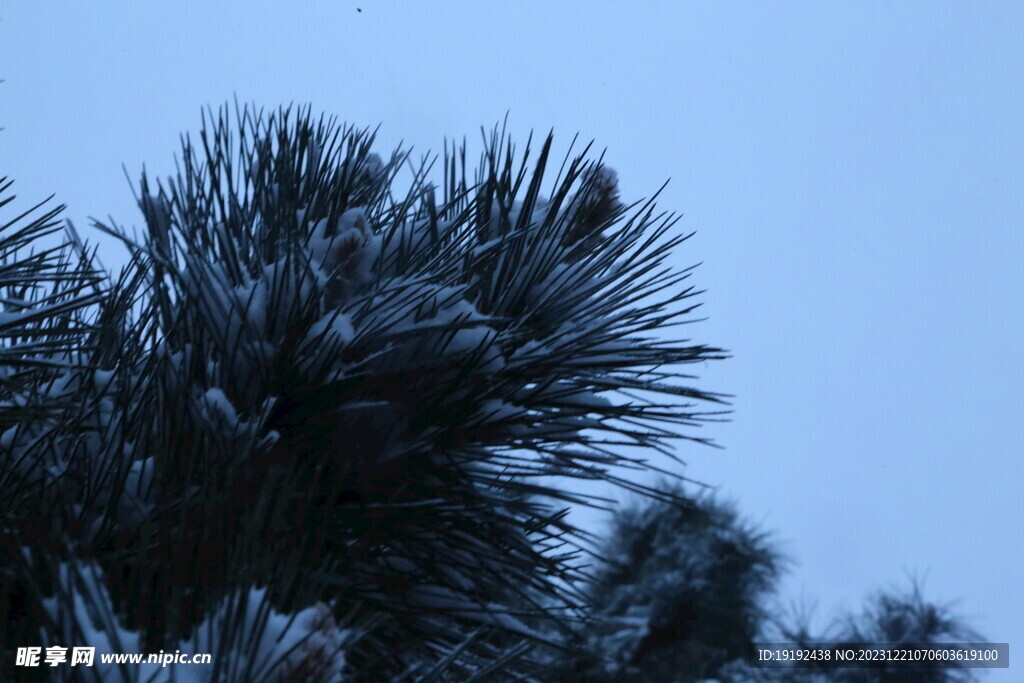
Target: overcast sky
x,y
853,171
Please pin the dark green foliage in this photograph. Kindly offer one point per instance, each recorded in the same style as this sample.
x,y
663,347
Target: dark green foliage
x,y
307,395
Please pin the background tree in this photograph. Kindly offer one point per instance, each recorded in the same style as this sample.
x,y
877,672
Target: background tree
x,y
680,592
685,587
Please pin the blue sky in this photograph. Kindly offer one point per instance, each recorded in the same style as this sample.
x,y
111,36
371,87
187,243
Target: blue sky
x,y
853,171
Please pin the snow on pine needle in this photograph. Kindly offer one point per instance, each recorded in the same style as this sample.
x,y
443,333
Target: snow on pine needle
x,y
332,394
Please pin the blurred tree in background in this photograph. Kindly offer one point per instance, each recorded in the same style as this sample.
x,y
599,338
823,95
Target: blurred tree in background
x,y
685,588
